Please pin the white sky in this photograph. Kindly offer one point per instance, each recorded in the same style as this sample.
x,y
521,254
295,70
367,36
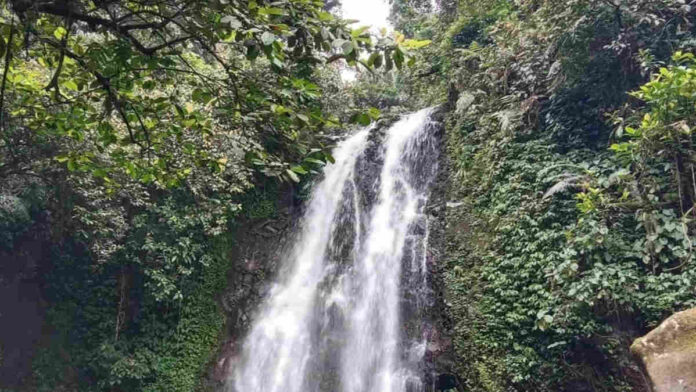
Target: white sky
x,y
368,12
373,13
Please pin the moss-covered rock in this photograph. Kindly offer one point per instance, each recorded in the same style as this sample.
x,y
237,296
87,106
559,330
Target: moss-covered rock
x,y
669,353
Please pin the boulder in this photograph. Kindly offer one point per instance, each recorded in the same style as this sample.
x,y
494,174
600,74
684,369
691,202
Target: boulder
x,y
668,353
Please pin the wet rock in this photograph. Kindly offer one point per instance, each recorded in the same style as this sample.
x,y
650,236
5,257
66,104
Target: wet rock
x,y
260,244
669,353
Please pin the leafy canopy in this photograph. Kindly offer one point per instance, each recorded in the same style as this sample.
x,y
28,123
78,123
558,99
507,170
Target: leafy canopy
x,y
157,89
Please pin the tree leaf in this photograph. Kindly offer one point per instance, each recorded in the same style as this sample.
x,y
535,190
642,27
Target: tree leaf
x,y
398,57
70,85
299,169
378,60
359,31
292,175
59,33
415,44
268,38
347,47
232,21
315,161
273,11
372,58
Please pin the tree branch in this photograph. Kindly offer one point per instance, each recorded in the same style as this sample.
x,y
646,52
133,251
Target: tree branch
x,y
123,30
8,60
56,76
106,86
152,50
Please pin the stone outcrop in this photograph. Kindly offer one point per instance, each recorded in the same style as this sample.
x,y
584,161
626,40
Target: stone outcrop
x,y
669,353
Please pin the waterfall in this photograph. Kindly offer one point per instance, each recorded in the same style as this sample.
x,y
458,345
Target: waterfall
x,y
344,312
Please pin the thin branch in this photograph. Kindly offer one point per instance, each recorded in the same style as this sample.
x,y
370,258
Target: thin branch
x,y
145,131
106,85
59,69
427,73
335,57
8,60
231,76
123,30
180,70
64,11
152,50
146,24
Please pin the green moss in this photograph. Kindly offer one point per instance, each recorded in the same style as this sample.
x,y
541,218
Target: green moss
x,y
261,202
182,358
168,348
488,380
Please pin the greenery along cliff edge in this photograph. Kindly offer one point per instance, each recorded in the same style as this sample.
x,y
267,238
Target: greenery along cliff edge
x,y
572,186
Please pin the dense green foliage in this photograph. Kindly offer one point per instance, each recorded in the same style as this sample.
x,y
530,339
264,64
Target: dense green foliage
x,y
571,231
128,325
162,348
156,90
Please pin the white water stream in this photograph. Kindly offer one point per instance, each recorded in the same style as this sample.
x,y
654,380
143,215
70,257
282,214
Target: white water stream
x,y
334,319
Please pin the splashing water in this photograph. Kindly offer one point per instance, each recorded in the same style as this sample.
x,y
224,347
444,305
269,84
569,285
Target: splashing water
x,y
343,314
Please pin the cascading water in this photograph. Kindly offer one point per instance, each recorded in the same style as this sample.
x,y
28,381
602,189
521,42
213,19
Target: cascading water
x,y
344,312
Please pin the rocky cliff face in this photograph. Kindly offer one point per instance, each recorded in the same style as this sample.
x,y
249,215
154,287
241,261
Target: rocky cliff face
x,y
669,353
440,363
254,261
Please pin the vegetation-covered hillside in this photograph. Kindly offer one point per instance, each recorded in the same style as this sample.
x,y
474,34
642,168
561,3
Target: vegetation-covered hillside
x,y
572,182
